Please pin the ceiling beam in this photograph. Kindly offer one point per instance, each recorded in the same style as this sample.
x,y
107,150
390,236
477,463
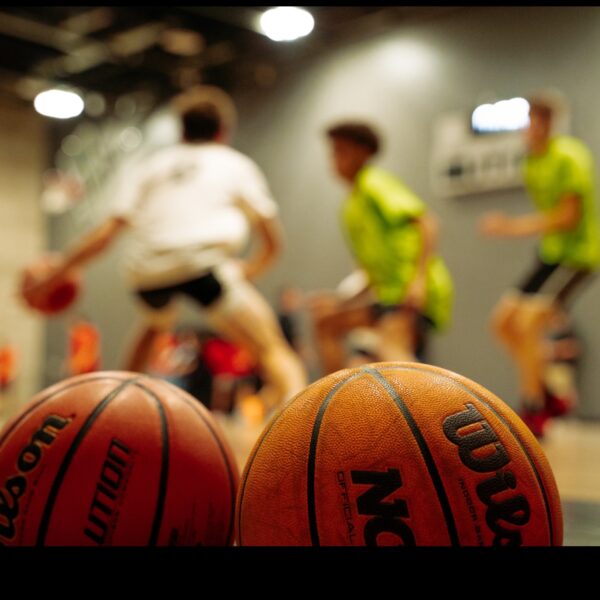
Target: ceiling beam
x,y
38,33
90,21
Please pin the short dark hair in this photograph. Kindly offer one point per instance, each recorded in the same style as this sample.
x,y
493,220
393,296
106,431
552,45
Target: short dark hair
x,y
548,103
542,108
357,132
201,123
204,110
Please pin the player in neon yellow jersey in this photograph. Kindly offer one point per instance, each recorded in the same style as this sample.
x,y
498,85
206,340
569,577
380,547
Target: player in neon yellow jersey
x,y
559,177
403,287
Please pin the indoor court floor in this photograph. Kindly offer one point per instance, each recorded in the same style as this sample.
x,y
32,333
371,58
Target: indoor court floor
x,y
573,449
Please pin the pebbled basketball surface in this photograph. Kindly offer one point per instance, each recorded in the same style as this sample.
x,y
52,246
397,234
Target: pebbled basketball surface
x,y
397,453
115,458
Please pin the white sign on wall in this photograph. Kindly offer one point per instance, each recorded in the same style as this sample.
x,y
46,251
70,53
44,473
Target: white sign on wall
x,y
466,161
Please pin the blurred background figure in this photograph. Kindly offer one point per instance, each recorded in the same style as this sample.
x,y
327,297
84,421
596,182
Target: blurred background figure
x,y
191,207
219,374
292,309
559,177
9,361
289,306
175,356
402,287
83,348
561,374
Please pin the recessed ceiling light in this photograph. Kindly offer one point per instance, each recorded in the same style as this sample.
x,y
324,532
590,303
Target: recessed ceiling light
x,y
58,104
286,23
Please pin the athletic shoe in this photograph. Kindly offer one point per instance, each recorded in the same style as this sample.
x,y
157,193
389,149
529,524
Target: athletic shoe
x,y
556,406
535,420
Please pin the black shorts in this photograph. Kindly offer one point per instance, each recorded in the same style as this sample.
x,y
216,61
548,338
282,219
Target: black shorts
x,y
205,289
557,281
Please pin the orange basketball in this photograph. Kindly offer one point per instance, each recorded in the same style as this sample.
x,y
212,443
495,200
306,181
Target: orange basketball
x,y
58,298
115,458
397,454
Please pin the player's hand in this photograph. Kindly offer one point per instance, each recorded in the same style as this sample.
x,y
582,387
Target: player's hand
x,y
495,224
321,304
252,269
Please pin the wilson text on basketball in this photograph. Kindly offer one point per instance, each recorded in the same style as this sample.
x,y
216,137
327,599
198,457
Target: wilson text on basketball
x,y
109,489
481,451
29,458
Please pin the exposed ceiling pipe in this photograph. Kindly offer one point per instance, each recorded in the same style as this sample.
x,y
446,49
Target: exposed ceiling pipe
x,y
81,59
136,40
38,33
25,88
81,53
89,21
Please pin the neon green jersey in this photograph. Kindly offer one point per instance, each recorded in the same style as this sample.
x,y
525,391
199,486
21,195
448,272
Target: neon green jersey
x,y
567,167
378,220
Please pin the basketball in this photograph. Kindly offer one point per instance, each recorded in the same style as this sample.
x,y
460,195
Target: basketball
x,y
397,454
59,297
115,459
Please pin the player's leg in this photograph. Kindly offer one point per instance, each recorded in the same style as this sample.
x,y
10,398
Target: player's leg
x,y
158,314
331,328
504,316
397,327
534,320
243,316
560,374
503,321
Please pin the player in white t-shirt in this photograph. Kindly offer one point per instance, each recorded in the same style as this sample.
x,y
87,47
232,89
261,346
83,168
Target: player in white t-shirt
x,y
191,209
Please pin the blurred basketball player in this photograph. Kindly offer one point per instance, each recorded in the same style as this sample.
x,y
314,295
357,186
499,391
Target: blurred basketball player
x,y
559,177
402,287
191,208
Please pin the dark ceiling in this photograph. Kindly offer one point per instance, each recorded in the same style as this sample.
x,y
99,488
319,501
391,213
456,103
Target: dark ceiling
x,y
122,50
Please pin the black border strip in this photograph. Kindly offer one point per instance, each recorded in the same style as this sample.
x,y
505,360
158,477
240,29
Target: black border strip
x,y
312,458
164,467
49,397
508,426
427,457
229,466
62,471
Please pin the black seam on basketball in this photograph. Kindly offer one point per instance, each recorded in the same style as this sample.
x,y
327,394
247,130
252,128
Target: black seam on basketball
x,y
312,458
425,452
164,467
228,465
514,434
60,475
49,397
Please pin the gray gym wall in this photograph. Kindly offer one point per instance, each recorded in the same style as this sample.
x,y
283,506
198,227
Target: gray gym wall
x,y
400,80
